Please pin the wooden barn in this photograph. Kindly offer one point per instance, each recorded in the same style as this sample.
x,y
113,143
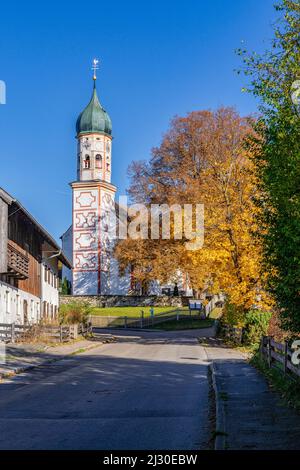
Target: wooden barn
x,y
30,262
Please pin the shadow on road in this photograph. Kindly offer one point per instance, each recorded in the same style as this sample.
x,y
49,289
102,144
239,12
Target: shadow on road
x,y
119,396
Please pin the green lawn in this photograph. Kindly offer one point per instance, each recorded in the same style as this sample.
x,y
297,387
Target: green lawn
x,y
186,324
130,311
216,313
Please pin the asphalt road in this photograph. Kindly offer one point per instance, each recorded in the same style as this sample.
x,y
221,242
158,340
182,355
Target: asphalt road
x,y
145,391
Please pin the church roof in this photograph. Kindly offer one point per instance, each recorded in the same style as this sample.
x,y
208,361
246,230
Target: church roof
x,y
94,118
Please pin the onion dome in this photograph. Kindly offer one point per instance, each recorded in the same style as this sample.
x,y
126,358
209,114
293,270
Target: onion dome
x,y
94,118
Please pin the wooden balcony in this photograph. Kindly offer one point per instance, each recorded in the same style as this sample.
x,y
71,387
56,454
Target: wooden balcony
x,y
17,263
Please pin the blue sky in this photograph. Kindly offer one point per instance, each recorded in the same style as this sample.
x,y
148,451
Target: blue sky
x,y
158,59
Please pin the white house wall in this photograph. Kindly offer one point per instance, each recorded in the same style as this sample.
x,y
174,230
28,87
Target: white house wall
x,y
120,285
12,305
49,291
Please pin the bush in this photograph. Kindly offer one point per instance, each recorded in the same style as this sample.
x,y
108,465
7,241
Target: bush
x,y
256,326
74,312
233,316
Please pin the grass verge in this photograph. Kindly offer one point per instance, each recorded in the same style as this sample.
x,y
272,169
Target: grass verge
x,y
288,388
216,313
186,324
130,311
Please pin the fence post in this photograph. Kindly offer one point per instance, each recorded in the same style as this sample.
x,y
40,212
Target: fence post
x,y
241,332
269,352
261,346
125,322
285,351
13,333
142,316
60,333
177,315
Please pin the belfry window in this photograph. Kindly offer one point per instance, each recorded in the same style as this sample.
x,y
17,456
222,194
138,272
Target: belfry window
x,y
87,162
98,161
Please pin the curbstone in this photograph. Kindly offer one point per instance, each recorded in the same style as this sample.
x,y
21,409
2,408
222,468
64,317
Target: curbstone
x,y
220,436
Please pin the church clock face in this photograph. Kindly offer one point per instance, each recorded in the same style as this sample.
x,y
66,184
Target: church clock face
x,y
98,145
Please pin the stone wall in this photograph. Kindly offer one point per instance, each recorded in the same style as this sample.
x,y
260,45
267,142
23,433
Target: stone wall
x,y
125,300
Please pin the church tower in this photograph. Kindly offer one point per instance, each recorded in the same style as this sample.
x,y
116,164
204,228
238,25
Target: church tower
x,y
93,200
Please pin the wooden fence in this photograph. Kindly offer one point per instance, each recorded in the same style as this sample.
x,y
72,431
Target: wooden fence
x,y
99,321
13,332
279,355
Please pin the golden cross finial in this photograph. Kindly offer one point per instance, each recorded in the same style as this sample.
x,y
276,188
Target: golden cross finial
x,y
95,67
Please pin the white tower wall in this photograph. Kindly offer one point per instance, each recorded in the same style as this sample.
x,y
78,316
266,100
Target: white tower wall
x,y
94,157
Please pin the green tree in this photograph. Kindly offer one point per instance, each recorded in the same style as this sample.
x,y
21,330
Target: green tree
x,y
273,80
65,286
176,291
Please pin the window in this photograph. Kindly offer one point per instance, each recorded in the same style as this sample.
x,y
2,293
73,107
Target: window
x,y
45,274
107,166
87,163
98,161
7,301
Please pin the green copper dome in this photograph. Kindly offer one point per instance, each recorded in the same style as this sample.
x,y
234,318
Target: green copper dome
x,y
94,118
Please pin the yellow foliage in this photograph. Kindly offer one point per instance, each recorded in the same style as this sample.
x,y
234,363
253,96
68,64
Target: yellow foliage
x,y
207,157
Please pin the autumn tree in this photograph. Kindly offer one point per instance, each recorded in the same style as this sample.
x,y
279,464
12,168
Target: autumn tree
x,y
205,158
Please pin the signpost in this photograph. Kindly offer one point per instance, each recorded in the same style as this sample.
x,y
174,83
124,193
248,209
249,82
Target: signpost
x,y
196,305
